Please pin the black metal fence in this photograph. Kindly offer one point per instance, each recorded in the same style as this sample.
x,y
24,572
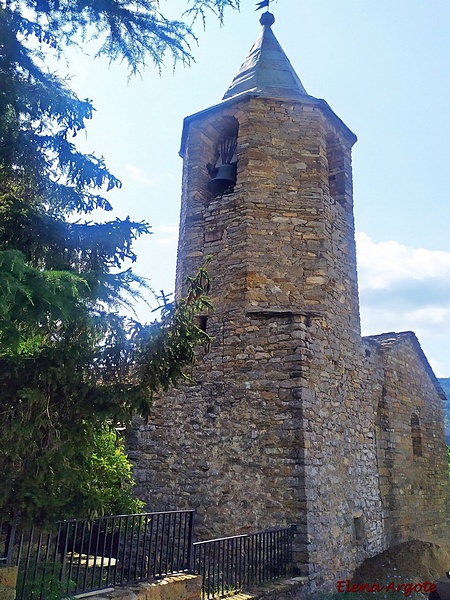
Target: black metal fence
x,y
87,555
235,563
83,555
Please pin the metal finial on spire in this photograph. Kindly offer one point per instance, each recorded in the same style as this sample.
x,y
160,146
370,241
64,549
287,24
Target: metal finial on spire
x,y
267,18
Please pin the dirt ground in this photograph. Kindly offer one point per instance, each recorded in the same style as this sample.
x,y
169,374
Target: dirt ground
x,y
410,562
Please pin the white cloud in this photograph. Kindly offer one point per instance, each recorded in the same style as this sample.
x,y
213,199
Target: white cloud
x,y
172,229
138,175
381,264
404,288
171,237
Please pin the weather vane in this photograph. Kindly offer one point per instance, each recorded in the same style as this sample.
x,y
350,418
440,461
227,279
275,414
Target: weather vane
x,y
262,4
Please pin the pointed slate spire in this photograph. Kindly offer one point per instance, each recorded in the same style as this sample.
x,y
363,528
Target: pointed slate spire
x,y
266,71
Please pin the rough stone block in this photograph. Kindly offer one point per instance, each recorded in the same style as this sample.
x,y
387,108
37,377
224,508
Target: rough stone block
x,y
8,577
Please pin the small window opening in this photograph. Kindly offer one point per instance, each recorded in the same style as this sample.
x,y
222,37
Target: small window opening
x,y
383,421
416,435
336,169
202,321
358,526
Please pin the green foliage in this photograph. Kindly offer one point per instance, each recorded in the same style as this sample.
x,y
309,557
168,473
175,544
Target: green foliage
x,y
125,30
69,362
55,396
108,483
46,583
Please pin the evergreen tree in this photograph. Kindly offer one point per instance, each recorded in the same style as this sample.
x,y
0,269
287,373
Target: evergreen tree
x,y
69,363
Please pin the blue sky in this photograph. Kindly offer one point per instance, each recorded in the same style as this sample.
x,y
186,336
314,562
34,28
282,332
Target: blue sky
x,y
384,68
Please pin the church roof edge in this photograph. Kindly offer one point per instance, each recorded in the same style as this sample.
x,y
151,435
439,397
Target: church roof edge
x,y
387,341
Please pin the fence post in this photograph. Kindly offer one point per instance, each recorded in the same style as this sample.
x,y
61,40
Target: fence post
x,y
246,571
190,556
10,540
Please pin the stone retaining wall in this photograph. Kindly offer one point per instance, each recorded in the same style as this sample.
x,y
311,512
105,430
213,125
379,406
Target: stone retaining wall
x,y
288,589
8,578
176,587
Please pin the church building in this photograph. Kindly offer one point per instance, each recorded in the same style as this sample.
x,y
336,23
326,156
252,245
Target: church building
x,y
291,417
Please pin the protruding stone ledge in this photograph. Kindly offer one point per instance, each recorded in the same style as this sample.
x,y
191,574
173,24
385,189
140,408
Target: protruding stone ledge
x,y
276,312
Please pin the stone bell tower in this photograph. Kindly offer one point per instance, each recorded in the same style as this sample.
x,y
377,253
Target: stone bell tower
x,y
277,425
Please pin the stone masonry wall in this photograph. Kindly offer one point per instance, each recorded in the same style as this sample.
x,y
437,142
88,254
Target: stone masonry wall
x,y
344,506
413,481
275,429
230,445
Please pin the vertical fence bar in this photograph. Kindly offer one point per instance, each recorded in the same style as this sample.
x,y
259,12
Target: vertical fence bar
x,y
258,558
151,546
88,553
278,552
131,547
104,522
19,556
178,550
27,563
64,551
266,542
94,554
9,544
36,560
122,571
251,560
114,578
155,556
208,568
144,547
190,541
55,554
238,562
168,544
46,567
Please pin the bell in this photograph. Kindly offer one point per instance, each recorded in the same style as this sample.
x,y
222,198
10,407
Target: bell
x,y
225,178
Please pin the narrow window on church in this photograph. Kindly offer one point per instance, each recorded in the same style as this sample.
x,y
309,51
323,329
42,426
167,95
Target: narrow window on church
x,y
336,169
383,412
416,435
358,525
